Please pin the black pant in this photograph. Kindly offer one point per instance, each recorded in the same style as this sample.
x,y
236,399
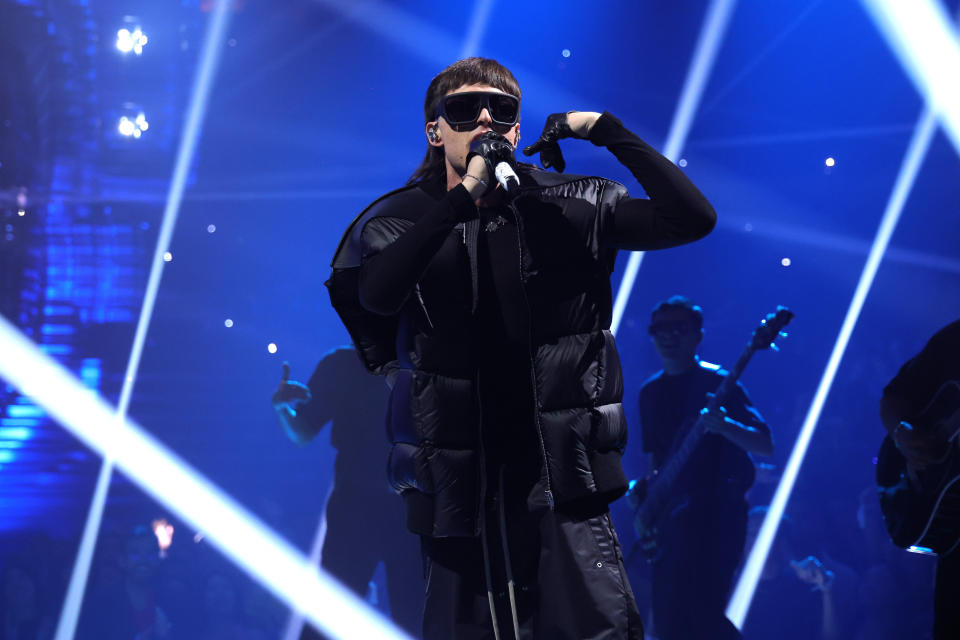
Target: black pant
x,y
700,547
366,526
568,570
946,600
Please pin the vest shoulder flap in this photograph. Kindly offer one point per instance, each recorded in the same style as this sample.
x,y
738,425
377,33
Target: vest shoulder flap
x,y
373,335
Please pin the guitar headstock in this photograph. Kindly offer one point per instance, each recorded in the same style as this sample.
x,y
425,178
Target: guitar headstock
x,y
771,328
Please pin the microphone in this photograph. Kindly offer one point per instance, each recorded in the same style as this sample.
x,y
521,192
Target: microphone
x,y
507,177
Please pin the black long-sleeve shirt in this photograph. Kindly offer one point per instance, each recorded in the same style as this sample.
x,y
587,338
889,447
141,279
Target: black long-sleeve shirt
x,y
675,213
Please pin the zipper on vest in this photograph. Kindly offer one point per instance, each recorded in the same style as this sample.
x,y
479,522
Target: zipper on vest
x,y
548,493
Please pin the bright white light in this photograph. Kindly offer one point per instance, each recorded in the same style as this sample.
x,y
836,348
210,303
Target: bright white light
x,y
711,34
830,162
923,37
195,500
739,603
134,127
683,162
211,228
228,323
128,41
21,213
272,347
126,126
785,262
167,257
565,53
163,530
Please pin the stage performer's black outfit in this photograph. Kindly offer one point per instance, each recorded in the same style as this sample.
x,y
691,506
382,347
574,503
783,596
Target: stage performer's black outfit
x,y
917,383
505,412
702,537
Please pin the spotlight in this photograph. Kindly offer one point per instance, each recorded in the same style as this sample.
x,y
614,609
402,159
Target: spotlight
x,y
167,257
565,53
683,162
228,323
21,212
830,162
785,262
272,347
133,126
211,228
134,41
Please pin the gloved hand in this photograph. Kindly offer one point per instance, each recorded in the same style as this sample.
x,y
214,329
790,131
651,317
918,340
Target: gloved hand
x,y
494,149
556,128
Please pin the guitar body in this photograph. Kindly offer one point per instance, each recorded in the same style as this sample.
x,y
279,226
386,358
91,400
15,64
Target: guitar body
x,y
922,509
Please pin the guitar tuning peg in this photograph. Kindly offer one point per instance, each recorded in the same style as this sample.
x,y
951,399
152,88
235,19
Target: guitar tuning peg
x,y
784,334
774,347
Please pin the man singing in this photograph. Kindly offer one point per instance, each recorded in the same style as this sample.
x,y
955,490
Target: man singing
x,y
489,312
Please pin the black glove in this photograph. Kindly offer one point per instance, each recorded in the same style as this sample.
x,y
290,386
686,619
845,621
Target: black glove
x,y
556,128
494,149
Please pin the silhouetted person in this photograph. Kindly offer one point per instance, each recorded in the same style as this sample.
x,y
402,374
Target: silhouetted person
x,y
24,603
131,608
904,399
365,520
808,598
701,538
222,616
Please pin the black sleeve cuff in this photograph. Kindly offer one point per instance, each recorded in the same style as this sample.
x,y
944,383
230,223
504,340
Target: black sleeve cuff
x,y
608,129
461,204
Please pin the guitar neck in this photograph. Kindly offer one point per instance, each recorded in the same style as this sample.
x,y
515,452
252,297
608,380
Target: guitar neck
x,y
666,476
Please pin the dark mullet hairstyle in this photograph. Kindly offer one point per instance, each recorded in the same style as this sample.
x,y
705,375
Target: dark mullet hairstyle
x,y
461,72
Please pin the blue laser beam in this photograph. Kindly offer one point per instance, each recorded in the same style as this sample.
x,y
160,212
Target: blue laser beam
x,y
209,57
237,533
739,604
708,43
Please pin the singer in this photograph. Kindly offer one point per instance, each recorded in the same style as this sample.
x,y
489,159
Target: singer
x,y
481,290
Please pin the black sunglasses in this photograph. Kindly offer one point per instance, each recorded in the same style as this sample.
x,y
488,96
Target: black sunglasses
x,y
460,109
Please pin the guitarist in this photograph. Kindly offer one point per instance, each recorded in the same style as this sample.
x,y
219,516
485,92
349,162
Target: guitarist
x,y
903,399
702,536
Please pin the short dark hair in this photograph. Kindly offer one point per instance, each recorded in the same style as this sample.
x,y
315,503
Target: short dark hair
x,y
461,72
694,310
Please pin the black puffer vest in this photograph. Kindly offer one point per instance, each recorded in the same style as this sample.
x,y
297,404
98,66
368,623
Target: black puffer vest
x,y
434,417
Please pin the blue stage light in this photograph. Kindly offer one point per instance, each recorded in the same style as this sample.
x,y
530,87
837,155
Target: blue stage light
x,y
199,503
708,43
209,56
739,604
24,411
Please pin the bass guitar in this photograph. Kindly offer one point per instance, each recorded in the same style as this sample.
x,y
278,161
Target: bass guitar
x,y
649,496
